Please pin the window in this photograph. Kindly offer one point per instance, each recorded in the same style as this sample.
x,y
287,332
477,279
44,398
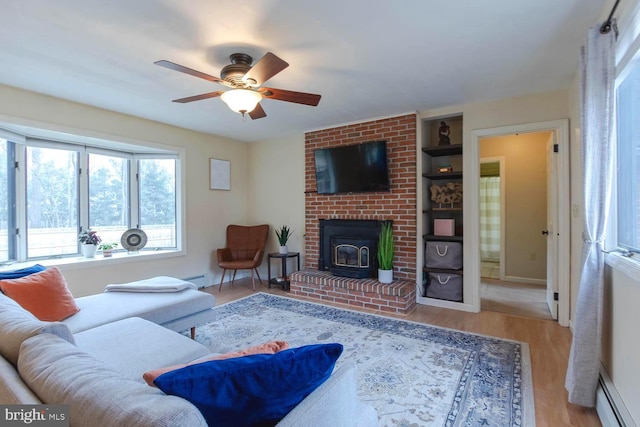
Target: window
x,y
52,202
51,190
157,183
5,202
628,159
109,196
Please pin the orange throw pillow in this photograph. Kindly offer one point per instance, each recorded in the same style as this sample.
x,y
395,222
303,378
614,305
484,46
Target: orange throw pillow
x,y
44,294
271,347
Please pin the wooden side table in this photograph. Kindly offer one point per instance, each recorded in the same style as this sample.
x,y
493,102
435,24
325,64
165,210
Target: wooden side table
x,y
284,281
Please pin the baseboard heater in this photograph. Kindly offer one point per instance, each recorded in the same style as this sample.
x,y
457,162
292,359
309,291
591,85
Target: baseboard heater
x,y
609,404
200,281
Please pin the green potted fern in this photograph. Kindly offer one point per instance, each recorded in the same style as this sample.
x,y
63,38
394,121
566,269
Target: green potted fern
x,y
385,253
283,234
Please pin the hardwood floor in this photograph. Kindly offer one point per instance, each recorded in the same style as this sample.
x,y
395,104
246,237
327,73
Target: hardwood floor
x,y
549,346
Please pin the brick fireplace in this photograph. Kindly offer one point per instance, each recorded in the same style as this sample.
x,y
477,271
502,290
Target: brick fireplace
x,y
397,205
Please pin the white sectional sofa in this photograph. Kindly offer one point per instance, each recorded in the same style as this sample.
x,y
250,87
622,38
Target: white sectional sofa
x,y
177,311
94,363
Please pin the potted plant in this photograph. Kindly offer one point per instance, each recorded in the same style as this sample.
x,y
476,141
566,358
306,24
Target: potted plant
x,y
89,240
107,249
283,234
385,253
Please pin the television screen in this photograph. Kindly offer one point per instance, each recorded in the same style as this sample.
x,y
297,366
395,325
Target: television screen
x,y
352,168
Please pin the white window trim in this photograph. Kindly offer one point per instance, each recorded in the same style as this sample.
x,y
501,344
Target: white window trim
x,y
156,151
79,262
627,56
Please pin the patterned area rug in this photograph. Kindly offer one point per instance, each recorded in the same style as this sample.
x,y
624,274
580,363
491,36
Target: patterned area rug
x,y
413,374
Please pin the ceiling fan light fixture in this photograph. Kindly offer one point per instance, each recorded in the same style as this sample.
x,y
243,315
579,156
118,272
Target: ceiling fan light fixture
x,y
241,100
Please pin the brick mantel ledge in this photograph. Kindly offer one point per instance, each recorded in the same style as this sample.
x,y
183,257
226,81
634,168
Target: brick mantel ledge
x,y
396,297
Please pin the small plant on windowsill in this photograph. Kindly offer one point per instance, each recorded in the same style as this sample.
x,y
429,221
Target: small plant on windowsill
x,y
283,234
90,241
107,249
89,237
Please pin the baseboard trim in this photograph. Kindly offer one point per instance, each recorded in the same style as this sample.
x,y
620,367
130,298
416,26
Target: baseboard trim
x,y
609,404
529,280
199,280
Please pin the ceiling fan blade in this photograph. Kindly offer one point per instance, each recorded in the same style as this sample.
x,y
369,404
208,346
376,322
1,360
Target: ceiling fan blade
x,y
257,113
290,96
176,67
268,66
199,97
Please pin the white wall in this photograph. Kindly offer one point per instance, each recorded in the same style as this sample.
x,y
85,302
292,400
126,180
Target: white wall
x,y
207,212
620,344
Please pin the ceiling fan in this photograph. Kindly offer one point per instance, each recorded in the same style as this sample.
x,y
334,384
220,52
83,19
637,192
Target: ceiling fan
x,y
245,82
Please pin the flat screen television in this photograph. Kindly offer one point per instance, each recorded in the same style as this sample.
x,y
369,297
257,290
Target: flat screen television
x,y
352,168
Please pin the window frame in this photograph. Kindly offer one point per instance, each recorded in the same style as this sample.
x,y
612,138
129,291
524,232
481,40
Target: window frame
x,y
617,196
627,59
84,146
23,230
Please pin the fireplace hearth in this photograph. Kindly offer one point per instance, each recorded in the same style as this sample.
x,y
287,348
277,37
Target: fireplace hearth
x,y
348,247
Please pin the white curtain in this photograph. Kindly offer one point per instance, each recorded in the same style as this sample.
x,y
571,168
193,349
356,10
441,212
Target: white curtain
x,y
597,116
490,218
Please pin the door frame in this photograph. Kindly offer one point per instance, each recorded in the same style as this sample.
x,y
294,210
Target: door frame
x,y
552,226
471,168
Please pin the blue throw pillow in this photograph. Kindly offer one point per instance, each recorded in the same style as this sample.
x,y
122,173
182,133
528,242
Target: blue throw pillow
x,y
16,274
255,390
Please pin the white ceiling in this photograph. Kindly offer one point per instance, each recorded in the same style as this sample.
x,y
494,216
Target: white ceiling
x,y
366,58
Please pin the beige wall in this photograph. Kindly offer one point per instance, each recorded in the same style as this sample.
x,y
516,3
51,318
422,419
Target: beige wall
x,y
525,179
207,212
538,107
276,190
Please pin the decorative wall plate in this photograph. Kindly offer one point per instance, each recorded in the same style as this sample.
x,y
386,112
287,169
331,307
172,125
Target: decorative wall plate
x,y
133,239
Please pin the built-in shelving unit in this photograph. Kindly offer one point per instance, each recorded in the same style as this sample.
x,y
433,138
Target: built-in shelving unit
x,y
441,166
428,237
443,175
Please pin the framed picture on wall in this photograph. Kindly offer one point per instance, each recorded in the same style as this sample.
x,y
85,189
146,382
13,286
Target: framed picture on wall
x,y
219,174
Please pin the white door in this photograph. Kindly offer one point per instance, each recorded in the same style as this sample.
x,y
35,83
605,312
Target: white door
x,y
552,226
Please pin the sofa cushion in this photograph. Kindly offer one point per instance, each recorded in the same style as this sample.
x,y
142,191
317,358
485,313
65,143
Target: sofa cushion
x,y
265,348
134,346
96,310
256,390
15,274
17,325
13,391
45,294
60,373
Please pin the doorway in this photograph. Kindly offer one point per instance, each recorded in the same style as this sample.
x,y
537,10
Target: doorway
x,y
522,267
513,251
